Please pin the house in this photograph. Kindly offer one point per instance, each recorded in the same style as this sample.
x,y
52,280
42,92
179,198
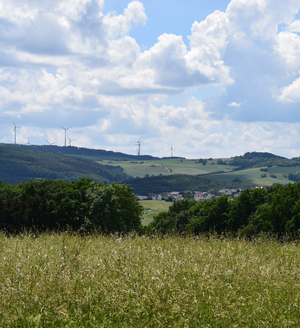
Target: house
x,y
152,196
198,196
159,197
177,197
142,197
225,192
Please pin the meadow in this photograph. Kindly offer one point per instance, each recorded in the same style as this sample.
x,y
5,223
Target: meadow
x,y
192,167
64,280
253,175
151,208
169,166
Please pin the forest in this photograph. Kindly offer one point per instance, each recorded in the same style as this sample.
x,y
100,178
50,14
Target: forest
x,y
96,154
17,165
274,210
58,205
84,205
183,182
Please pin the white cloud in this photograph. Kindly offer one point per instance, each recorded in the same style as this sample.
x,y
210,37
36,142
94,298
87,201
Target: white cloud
x,y
291,93
67,61
234,104
288,46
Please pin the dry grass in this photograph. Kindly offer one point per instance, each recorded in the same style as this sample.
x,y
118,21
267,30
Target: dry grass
x,y
71,281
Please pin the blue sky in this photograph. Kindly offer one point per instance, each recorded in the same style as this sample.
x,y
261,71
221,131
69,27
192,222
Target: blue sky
x,y
212,78
173,17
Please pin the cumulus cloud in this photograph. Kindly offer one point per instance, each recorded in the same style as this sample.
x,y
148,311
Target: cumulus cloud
x,y
67,61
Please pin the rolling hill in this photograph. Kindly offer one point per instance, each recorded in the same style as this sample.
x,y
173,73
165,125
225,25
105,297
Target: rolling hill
x,y
94,154
18,165
145,173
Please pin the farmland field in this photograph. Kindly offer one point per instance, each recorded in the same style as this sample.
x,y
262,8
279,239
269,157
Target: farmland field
x,y
169,166
253,175
191,167
130,281
151,208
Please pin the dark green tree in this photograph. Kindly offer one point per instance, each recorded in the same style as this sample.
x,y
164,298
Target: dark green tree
x,y
113,208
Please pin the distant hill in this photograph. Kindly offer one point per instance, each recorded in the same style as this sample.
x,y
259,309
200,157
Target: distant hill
x,y
258,159
255,154
181,182
18,165
96,154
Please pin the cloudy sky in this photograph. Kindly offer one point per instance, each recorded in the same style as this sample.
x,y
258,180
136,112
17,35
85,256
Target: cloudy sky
x,y
211,78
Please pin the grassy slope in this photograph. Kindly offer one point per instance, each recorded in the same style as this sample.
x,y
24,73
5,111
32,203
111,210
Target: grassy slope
x,y
65,281
151,208
253,175
164,166
138,166
191,167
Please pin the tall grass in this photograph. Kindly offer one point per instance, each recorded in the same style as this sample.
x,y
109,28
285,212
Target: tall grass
x,y
71,281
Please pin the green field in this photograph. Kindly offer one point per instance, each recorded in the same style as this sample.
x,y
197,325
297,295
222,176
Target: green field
x,y
283,170
96,281
190,167
153,207
169,166
254,176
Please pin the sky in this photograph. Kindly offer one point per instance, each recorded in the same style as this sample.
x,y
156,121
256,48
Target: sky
x,y
211,78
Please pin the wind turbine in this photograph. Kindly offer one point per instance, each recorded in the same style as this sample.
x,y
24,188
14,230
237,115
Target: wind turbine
x,y
171,149
65,133
15,130
28,142
70,141
139,143
51,144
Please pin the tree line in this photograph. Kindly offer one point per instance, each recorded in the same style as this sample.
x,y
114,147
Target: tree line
x,y
274,210
159,184
84,205
81,205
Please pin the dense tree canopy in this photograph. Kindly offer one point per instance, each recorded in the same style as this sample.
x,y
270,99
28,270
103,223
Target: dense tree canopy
x,y
58,204
275,210
84,205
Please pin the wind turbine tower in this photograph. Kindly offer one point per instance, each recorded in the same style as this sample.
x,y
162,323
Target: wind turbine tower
x,y
171,149
70,141
15,131
65,133
139,143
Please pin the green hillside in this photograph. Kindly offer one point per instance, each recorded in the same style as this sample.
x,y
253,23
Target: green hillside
x,y
260,169
17,165
94,154
170,166
22,163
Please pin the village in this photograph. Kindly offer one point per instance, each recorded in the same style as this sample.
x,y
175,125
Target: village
x,y
196,195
